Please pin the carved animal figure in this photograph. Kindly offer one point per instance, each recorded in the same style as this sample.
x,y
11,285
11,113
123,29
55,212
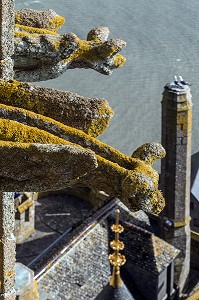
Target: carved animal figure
x,y
41,53
132,179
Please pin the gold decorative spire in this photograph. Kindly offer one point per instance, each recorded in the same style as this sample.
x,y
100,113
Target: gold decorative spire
x,y
116,259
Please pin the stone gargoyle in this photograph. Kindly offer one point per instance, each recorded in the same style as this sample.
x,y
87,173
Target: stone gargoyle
x,y
44,149
41,53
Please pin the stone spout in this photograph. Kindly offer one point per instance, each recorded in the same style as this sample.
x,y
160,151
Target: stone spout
x,y
91,115
137,186
148,152
41,53
42,167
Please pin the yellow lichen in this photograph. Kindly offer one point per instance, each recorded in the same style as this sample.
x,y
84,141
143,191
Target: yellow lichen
x,y
35,291
55,23
119,60
131,186
12,93
184,120
56,44
16,132
17,17
102,121
149,153
11,145
22,30
90,50
10,273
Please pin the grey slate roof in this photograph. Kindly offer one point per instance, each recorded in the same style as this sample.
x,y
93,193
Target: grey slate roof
x,y
84,270
143,248
115,293
147,250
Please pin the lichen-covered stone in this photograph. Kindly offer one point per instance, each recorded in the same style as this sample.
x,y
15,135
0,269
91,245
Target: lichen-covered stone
x,y
131,179
92,115
98,34
41,167
138,187
46,19
6,38
151,152
41,53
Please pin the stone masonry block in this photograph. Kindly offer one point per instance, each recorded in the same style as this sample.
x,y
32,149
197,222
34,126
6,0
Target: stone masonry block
x,y
6,28
7,246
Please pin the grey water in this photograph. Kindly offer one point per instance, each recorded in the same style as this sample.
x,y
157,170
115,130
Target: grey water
x,y
162,40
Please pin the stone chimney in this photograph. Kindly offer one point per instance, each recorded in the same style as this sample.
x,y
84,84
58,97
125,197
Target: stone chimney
x,y
175,172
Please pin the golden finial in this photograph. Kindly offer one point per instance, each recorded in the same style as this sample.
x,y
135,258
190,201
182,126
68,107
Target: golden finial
x,y
116,259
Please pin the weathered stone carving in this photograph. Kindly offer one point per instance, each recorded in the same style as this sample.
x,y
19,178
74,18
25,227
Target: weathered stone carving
x,y
92,115
151,151
47,19
42,167
135,182
41,53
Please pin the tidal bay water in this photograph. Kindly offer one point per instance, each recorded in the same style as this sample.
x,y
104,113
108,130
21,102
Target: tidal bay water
x,y
162,40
